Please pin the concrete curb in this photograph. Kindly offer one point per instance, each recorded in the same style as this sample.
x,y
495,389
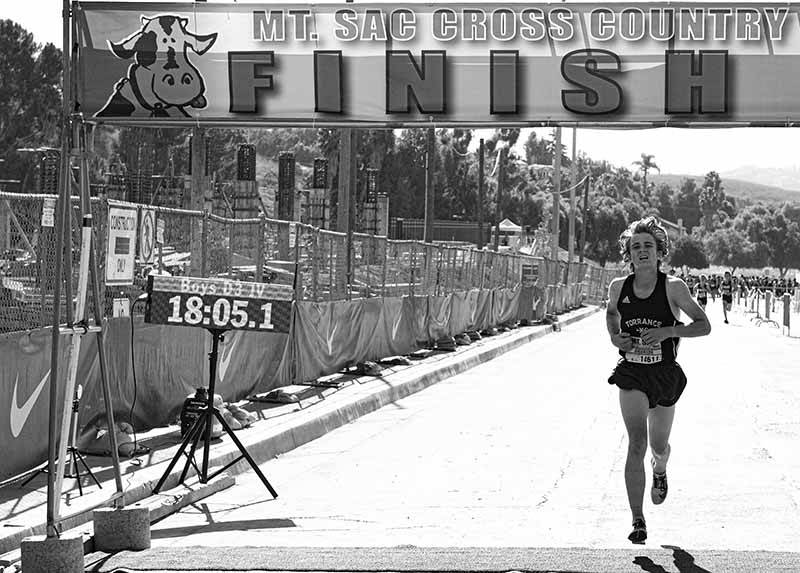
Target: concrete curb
x,y
343,407
166,503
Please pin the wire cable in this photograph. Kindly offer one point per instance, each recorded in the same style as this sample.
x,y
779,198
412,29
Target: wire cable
x,y
135,382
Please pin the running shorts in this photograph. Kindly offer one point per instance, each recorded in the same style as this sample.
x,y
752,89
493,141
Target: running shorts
x,y
702,300
727,298
662,383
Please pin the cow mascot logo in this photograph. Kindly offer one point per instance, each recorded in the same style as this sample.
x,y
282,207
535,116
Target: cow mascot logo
x,y
162,81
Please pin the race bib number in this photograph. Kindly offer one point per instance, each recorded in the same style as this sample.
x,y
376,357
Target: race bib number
x,y
644,353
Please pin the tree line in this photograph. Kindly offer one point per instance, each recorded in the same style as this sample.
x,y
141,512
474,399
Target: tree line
x,y
721,230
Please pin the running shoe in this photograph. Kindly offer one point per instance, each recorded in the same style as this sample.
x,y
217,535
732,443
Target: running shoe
x,y
658,492
639,533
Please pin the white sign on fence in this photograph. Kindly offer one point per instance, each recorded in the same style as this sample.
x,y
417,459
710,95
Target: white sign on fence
x,y
121,307
121,243
48,212
160,231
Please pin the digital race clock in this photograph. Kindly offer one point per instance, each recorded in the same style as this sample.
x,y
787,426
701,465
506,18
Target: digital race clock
x,y
218,304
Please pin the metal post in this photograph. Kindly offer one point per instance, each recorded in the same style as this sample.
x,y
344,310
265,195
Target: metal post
x,y
196,202
231,242
63,205
67,254
204,245
556,194
501,183
64,200
412,262
583,222
75,341
331,269
98,319
481,191
298,284
346,190
385,264
573,184
453,271
262,223
315,263
430,163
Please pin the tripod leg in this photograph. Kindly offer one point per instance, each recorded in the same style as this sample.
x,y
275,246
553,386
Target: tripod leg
x,y
242,449
82,460
196,431
77,474
177,455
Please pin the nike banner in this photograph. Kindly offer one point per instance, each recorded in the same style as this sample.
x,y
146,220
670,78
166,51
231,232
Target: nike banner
x,y
170,364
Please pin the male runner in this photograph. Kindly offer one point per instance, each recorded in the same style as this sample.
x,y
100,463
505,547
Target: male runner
x,y
642,321
701,292
713,287
726,288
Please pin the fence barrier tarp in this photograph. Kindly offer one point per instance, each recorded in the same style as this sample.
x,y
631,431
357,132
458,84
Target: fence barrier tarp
x,y
445,62
24,386
170,364
403,296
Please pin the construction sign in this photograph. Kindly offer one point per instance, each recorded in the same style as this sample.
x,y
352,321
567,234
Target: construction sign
x,y
121,245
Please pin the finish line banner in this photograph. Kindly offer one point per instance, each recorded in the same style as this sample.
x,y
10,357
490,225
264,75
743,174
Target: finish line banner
x,y
396,64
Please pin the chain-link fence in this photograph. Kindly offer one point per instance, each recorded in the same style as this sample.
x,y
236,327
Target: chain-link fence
x,y
313,260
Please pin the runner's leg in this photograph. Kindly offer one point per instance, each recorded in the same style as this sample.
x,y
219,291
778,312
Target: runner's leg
x,y
634,407
660,425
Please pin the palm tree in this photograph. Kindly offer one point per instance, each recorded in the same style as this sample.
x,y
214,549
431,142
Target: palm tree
x,y
645,164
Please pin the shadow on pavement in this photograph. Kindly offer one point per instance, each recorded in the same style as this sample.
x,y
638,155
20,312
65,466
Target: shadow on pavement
x,y
245,524
682,559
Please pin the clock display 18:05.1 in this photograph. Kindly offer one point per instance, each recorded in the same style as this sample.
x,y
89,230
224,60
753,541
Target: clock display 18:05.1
x,y
221,313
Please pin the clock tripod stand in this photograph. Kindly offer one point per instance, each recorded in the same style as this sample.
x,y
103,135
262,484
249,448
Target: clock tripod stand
x,y
201,429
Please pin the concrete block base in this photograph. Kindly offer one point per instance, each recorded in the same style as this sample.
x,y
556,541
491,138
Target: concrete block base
x,y
42,554
122,529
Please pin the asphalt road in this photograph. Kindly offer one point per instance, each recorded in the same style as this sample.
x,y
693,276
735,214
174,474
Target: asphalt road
x,y
528,450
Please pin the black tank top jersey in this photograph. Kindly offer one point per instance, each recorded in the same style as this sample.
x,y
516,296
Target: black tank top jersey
x,y
701,291
638,315
727,287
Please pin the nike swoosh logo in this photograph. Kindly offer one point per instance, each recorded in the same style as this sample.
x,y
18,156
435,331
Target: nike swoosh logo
x,y
227,355
19,414
330,339
396,326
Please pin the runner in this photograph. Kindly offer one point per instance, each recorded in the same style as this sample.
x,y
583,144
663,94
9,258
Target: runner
x,y
713,287
642,321
701,292
726,287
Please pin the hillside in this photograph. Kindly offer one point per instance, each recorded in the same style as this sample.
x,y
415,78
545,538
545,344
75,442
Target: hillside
x,y
737,188
783,177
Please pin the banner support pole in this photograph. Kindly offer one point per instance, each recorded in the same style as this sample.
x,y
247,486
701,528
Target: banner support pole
x,y
64,206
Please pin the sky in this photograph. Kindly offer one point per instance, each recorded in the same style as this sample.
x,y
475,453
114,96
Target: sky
x,y
676,151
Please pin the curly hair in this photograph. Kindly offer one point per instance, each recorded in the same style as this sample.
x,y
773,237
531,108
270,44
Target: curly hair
x,y
650,225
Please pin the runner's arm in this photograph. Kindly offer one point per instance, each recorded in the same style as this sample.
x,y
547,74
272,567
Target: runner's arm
x,y
621,340
679,295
